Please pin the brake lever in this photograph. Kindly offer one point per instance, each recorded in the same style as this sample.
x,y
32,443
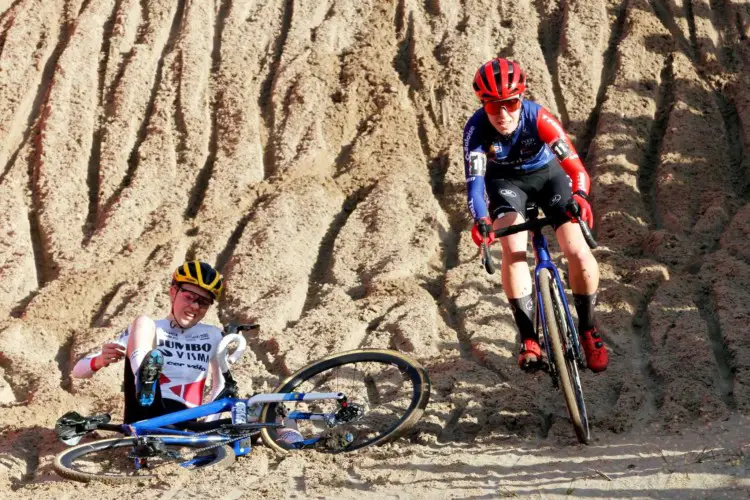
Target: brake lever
x,y
231,328
484,249
223,357
489,266
575,210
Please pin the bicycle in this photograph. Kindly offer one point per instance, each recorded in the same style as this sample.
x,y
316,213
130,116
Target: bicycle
x,y
357,398
559,337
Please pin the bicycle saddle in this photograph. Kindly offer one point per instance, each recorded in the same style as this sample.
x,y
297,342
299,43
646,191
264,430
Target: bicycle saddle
x,y
72,426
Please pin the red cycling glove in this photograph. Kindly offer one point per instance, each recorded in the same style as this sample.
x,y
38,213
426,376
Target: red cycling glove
x,y
483,225
586,214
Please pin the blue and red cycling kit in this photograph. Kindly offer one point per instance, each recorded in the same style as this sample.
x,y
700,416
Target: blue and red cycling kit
x,y
537,142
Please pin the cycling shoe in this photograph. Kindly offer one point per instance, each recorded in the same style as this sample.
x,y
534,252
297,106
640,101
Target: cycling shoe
x,y
148,377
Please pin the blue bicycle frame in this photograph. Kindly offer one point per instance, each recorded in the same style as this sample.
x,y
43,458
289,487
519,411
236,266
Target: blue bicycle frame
x,y
543,261
159,425
570,353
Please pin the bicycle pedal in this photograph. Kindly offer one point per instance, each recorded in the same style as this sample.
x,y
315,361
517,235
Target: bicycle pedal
x,y
531,368
143,451
539,365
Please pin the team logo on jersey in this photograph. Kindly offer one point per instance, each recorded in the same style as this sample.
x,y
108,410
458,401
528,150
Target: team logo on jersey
x,y
528,142
509,192
472,209
467,139
185,351
554,124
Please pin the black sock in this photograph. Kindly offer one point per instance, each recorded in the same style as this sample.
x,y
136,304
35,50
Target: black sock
x,y
522,309
585,307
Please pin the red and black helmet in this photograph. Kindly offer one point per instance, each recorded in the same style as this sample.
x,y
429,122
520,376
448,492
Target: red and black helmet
x,y
499,79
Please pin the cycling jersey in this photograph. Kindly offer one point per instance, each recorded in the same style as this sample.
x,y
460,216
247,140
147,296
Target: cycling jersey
x,y
188,356
537,140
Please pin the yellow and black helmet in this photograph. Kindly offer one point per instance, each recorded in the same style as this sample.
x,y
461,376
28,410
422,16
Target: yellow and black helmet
x,y
202,275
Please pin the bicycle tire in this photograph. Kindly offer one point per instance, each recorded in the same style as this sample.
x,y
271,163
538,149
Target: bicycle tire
x,y
572,366
408,368
554,317
64,463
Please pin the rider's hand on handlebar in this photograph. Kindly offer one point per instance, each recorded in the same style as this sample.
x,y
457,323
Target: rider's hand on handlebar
x,y
586,214
482,232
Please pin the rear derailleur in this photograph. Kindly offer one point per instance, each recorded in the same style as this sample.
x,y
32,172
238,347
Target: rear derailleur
x,y
348,412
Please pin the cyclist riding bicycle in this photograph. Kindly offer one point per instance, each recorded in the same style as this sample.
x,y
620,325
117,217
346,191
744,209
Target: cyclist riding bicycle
x,y
516,151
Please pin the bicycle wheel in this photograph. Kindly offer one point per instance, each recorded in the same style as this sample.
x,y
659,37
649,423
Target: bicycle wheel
x,y
567,371
108,460
387,389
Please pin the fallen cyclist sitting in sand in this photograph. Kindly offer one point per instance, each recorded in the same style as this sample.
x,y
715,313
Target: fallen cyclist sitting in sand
x,y
171,376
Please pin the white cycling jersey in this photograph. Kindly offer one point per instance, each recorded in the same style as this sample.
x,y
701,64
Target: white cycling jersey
x,y
188,356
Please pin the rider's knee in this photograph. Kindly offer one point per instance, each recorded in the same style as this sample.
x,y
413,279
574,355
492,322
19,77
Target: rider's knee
x,y
143,323
580,253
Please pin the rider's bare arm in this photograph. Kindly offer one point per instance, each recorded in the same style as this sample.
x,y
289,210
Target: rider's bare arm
x,y
111,352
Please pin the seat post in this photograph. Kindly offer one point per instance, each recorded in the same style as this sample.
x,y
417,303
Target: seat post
x,y
532,211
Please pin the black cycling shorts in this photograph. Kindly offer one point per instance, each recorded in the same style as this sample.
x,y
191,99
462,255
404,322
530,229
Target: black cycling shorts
x,y
549,188
134,411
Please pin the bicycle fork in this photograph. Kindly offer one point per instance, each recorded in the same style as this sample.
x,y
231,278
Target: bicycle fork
x,y
572,345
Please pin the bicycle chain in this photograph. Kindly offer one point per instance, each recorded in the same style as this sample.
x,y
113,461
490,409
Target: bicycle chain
x,y
214,445
220,443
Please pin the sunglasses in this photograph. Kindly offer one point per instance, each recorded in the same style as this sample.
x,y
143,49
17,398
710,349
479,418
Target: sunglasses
x,y
495,107
203,302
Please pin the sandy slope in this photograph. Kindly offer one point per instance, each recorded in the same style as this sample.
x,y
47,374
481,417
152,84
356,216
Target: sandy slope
x,y
311,149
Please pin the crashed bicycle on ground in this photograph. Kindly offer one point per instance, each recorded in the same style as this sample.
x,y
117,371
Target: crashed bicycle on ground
x,y
341,403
